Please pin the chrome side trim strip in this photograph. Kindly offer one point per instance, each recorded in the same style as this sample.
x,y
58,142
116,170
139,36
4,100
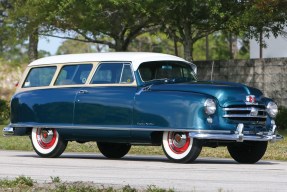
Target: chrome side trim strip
x,y
117,128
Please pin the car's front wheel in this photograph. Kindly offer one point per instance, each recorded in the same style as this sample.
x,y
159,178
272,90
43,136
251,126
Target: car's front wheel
x,y
47,142
180,147
248,151
114,150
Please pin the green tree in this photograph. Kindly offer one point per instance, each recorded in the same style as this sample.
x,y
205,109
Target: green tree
x,y
219,47
110,22
191,20
26,20
153,42
72,46
264,17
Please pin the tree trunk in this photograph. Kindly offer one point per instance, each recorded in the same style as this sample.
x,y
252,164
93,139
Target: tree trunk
x,y
231,56
206,48
121,45
33,45
175,46
187,44
261,45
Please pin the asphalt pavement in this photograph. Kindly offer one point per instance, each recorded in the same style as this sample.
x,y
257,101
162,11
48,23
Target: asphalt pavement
x,y
205,174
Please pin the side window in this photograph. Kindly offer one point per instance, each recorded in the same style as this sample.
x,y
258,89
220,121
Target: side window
x,y
113,73
40,76
74,74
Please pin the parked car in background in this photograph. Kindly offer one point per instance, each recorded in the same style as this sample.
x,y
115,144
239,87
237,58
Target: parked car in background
x,y
125,99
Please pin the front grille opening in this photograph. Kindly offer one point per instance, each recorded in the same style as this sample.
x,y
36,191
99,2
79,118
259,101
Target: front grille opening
x,y
251,114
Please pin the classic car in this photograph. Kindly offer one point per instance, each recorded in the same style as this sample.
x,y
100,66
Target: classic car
x,y
125,99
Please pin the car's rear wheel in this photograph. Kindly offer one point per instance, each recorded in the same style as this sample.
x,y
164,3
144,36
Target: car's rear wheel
x,y
179,147
47,142
248,151
114,150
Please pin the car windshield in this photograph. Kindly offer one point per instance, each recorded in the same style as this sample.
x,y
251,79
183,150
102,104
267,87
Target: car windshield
x,y
166,72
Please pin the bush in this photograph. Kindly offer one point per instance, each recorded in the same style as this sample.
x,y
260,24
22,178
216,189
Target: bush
x,y
281,118
4,111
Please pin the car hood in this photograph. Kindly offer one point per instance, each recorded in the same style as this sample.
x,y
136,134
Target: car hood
x,y
225,92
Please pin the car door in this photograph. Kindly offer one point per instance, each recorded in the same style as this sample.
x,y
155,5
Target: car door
x,y
105,107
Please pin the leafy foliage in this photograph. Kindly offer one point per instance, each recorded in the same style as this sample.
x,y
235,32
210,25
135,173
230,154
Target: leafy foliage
x,y
23,183
20,181
4,111
267,16
71,46
119,24
281,118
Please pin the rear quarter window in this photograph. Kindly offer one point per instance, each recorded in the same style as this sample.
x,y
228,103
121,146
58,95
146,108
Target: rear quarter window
x,y
40,76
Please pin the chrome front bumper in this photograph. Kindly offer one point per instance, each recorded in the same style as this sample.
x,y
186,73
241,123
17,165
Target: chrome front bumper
x,y
238,135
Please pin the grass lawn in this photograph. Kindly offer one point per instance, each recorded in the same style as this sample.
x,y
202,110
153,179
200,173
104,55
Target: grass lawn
x,y
275,151
26,184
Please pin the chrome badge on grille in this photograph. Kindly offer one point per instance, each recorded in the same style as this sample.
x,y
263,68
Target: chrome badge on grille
x,y
250,100
253,111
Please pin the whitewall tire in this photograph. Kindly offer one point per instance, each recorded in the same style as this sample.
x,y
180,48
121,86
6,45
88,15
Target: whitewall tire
x,y
179,147
47,142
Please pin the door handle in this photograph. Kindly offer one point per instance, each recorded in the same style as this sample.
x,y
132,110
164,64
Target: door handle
x,y
83,91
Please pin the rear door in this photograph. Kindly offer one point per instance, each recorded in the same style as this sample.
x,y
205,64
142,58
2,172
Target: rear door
x,y
106,105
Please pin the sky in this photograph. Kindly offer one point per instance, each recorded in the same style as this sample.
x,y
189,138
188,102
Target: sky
x,y
276,47
49,44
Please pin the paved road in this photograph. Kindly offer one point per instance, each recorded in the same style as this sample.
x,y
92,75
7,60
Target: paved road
x,y
140,171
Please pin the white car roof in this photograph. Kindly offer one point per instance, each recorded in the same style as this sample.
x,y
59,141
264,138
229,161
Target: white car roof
x,y
136,58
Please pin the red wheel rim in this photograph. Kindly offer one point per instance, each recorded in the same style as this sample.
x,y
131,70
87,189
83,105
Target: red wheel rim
x,y
46,137
178,142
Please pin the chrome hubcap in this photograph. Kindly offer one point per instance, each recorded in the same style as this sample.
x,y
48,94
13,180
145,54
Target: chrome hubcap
x,y
46,137
178,142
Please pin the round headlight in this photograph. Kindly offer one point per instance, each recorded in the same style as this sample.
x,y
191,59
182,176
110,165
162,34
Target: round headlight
x,y
209,106
272,109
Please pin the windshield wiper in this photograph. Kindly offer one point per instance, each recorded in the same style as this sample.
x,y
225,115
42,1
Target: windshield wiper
x,y
161,81
170,80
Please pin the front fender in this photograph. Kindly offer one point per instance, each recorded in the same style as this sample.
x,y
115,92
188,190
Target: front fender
x,y
170,110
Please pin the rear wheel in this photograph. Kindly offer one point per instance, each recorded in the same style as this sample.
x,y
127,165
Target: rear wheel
x,y
114,150
179,147
248,151
47,142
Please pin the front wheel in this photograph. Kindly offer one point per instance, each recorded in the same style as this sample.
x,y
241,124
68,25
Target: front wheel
x,y
179,147
247,152
47,142
114,150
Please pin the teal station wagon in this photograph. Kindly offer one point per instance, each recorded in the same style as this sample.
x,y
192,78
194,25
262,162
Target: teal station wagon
x,y
125,99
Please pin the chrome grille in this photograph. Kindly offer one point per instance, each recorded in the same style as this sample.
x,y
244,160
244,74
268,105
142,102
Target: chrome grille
x,y
253,114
